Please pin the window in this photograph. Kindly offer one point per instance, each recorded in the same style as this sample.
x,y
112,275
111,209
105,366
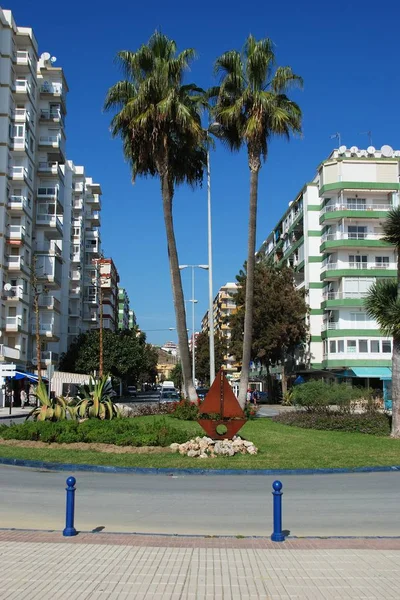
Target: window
x,y
351,346
358,317
24,316
332,346
356,287
30,172
382,262
363,345
374,345
356,203
387,346
31,143
358,262
356,232
23,345
18,131
340,346
76,231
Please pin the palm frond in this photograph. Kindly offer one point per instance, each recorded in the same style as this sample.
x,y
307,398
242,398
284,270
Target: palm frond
x,y
391,227
383,304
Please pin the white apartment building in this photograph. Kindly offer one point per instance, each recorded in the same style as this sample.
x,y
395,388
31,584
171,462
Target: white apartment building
x,y
48,207
223,307
109,280
330,235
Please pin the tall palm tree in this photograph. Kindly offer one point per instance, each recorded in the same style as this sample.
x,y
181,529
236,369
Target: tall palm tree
x,y
383,304
252,106
159,121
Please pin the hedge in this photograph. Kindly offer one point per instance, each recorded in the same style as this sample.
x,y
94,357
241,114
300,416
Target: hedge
x,y
373,423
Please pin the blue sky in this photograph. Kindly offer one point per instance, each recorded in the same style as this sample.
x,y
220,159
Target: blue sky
x,y
347,54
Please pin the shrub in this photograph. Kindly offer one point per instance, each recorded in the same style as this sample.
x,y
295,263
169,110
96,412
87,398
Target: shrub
x,y
250,411
316,395
121,432
374,423
186,411
159,408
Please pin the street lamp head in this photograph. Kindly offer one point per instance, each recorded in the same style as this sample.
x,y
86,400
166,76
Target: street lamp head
x,y
203,267
183,266
216,129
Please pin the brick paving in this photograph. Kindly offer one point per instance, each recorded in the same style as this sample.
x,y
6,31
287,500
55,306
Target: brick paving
x,y
39,565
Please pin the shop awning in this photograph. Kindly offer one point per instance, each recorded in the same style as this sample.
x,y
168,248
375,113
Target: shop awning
x,y
373,372
31,376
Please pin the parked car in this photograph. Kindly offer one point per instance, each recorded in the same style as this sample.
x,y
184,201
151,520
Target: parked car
x,y
169,396
132,391
202,393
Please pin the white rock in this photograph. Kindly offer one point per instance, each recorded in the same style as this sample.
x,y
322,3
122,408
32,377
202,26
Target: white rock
x,y
247,443
193,453
174,447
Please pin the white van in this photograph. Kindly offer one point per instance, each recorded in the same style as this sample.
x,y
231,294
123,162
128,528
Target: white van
x,y
167,385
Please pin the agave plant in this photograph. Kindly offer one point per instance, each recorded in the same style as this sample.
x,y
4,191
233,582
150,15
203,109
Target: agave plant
x,y
94,401
50,409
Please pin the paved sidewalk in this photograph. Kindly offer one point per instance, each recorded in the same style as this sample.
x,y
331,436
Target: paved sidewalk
x,y
43,565
16,412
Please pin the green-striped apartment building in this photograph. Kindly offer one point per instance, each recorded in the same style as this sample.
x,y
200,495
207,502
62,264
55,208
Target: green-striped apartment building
x,y
331,235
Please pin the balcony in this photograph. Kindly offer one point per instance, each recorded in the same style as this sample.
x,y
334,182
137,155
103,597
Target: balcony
x,y
333,266
356,325
52,115
50,168
15,293
51,222
54,89
13,323
88,316
74,330
50,303
19,143
17,203
93,216
20,115
22,58
16,233
78,204
49,193
52,141
46,329
50,248
94,199
351,236
47,357
344,295
92,247
15,263
18,173
370,206
75,292
22,87
10,353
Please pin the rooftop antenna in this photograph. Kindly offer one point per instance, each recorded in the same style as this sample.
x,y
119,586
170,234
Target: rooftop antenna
x,y
369,134
338,137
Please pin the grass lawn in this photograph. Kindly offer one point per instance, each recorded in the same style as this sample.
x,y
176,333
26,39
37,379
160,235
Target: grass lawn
x,y
280,447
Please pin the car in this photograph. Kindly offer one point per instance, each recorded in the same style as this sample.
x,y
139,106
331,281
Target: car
x,y
132,391
169,396
202,393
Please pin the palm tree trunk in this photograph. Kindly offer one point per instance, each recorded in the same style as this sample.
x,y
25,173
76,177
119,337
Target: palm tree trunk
x,y
37,336
255,165
177,291
396,389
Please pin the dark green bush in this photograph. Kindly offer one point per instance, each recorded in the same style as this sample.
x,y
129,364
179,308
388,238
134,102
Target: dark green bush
x,y
121,432
374,423
316,395
186,411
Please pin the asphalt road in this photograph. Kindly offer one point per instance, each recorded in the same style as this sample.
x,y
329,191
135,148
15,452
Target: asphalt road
x,y
351,504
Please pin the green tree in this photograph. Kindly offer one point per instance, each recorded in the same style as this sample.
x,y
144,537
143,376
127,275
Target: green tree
x,y
126,355
203,355
159,121
176,376
279,323
383,304
252,106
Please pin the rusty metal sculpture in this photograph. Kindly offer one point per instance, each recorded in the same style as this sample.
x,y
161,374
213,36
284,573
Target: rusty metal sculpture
x,y
221,401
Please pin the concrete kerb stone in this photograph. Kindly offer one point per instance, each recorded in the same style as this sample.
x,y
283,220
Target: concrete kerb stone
x,y
38,464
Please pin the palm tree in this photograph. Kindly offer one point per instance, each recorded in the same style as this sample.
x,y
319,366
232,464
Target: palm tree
x,y
383,304
252,106
159,121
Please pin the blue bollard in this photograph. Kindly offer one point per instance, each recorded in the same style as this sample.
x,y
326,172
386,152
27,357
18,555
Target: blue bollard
x,y
70,530
277,534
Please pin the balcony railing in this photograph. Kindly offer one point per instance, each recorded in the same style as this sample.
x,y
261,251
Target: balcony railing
x,y
50,140
51,115
346,235
48,248
369,206
46,356
78,204
15,292
51,220
13,323
16,232
21,115
17,202
52,88
49,302
49,167
22,57
18,172
357,265
344,295
329,325
15,263
22,86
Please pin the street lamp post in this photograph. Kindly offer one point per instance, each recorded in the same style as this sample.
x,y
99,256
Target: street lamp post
x,y
193,301
210,276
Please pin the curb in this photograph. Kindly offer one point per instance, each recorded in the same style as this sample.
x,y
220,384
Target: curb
x,y
38,464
